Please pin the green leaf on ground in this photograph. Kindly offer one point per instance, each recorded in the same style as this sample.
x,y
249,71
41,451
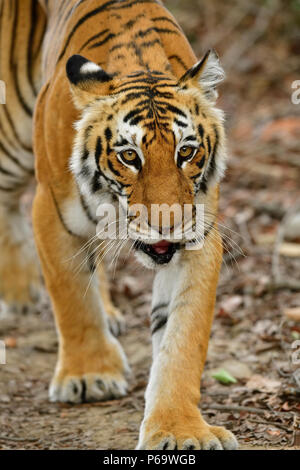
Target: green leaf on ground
x,y
224,377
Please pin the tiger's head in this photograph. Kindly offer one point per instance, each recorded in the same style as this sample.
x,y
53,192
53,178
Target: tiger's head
x,y
148,139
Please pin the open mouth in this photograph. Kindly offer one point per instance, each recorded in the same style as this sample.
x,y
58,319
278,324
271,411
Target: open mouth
x,y
161,252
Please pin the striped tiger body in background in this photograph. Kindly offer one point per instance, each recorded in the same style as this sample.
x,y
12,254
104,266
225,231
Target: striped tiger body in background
x,y
22,29
126,115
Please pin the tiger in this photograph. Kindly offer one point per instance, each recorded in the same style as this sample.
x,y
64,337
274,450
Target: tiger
x,y
122,114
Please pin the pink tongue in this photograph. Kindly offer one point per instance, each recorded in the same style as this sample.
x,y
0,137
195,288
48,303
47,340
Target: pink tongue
x,y
161,247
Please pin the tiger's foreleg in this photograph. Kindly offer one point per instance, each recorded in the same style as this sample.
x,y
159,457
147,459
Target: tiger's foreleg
x,y
183,304
116,319
91,363
20,279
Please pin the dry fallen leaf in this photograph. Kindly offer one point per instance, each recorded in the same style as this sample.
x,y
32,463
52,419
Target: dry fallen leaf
x,y
263,384
231,304
292,250
293,313
10,342
286,406
273,432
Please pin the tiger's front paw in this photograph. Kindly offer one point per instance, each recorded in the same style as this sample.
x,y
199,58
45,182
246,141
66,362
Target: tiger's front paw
x,y
90,375
21,290
20,276
88,388
183,433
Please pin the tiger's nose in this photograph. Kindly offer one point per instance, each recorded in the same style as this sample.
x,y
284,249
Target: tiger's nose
x,y
165,227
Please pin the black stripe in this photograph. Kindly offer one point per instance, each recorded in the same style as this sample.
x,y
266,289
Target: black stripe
x,y
104,41
91,14
142,34
180,123
158,325
135,2
164,18
148,44
93,38
41,39
209,229
116,47
82,20
145,88
129,24
87,211
208,145
83,391
86,152
201,163
122,142
10,142
108,136
136,120
15,160
179,60
61,217
112,169
13,66
112,182
96,183
159,307
133,113
201,131
150,80
212,163
24,105
34,21
175,110
9,190
98,152
7,172
191,138
203,185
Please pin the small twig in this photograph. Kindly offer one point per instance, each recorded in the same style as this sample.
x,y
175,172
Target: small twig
x,y
19,439
281,285
239,408
270,423
266,348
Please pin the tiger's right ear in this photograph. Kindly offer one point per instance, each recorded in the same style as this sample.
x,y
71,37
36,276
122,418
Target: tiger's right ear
x,y
88,80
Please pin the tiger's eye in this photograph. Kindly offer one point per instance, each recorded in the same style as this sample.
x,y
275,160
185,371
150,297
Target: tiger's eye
x,y
129,156
186,152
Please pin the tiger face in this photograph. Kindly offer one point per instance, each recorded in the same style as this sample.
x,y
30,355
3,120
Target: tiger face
x,y
146,140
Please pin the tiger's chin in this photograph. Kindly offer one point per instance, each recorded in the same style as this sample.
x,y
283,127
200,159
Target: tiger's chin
x,y
155,255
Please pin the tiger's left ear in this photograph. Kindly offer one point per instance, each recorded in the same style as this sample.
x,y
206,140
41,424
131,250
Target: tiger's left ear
x,y
88,80
207,74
